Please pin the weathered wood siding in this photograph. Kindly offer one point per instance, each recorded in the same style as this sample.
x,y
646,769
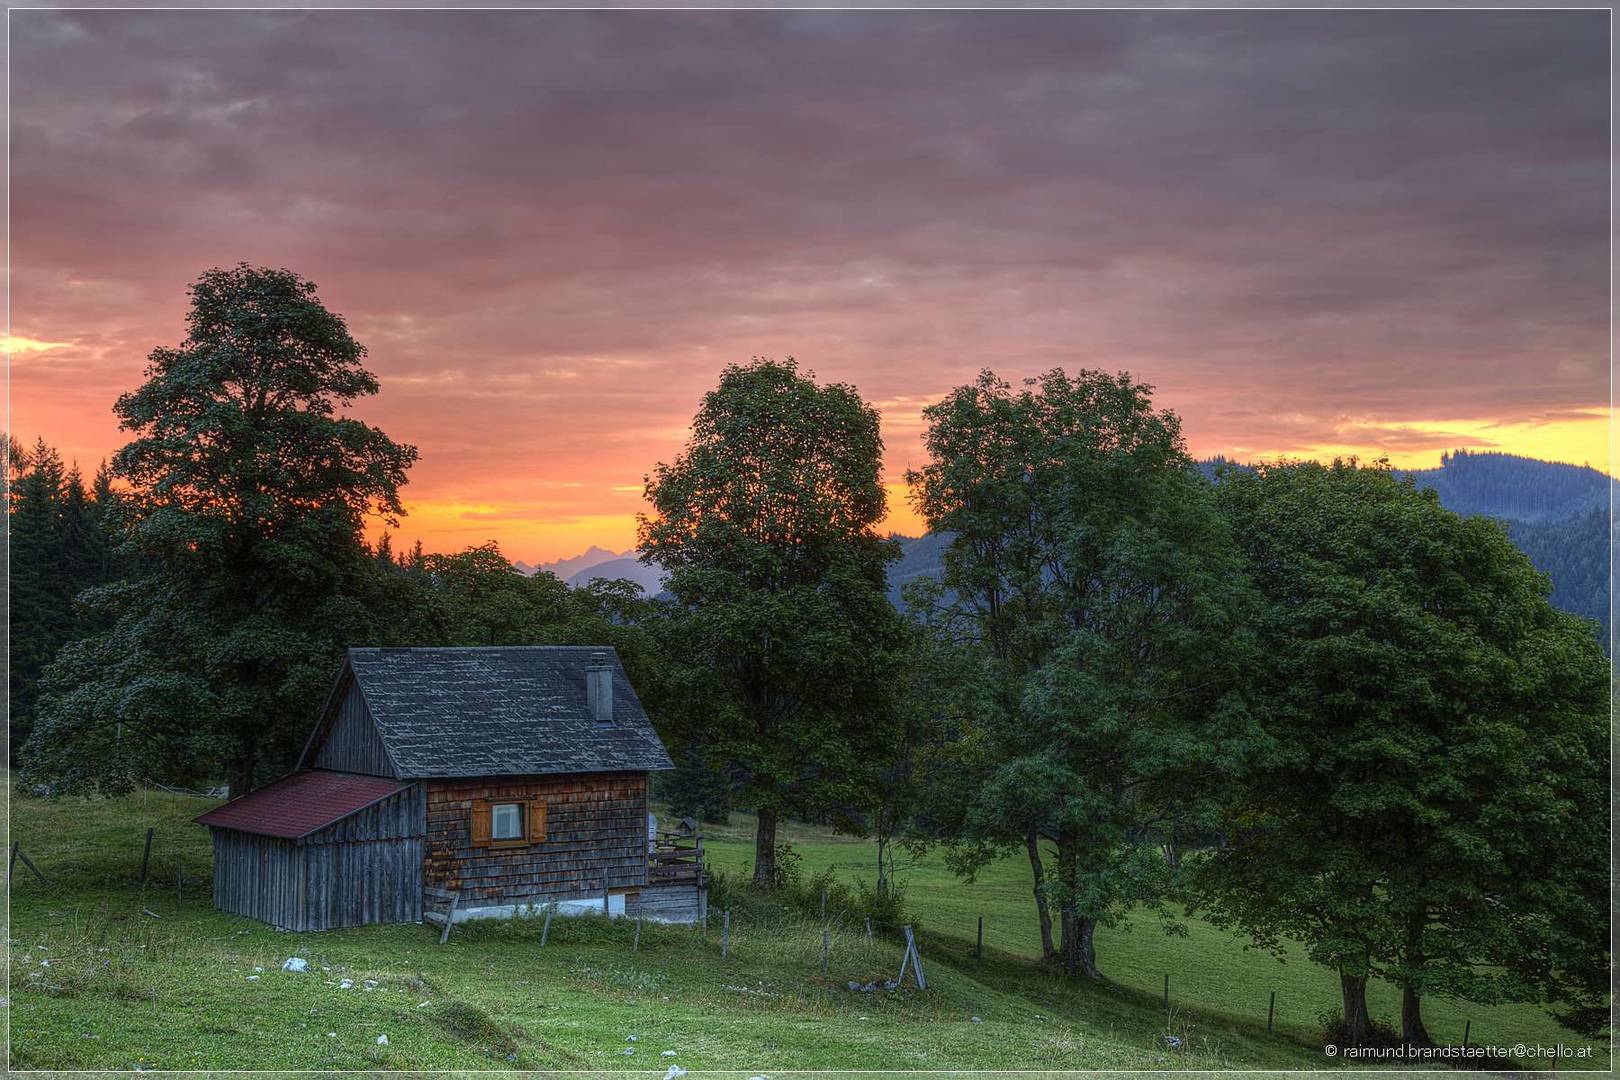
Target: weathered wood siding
x,y
594,823
668,903
257,876
351,743
366,868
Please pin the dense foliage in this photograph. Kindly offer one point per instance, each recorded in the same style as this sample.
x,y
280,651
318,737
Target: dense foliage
x,y
780,626
248,491
1434,813
1104,597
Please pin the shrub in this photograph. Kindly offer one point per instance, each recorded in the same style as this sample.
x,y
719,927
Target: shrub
x,y
886,908
789,868
1334,1032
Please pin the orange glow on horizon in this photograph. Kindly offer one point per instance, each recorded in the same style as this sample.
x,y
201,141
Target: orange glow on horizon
x,y
446,525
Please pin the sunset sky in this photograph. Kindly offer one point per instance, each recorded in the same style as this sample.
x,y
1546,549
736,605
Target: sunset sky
x,y
1313,233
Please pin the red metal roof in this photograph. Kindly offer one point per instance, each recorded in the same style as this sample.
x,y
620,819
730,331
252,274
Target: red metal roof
x,y
299,804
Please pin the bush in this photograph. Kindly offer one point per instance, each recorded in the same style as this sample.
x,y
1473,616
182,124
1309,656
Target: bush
x,y
1334,1032
887,908
789,868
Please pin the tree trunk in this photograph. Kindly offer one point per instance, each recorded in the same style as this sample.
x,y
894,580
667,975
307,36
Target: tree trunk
x,y
1041,910
1069,931
239,776
1413,1033
1079,943
1088,949
765,851
1356,1022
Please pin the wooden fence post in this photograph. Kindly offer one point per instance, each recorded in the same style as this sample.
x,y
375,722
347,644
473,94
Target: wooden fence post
x,y
637,946
978,945
146,855
1467,1024
11,871
604,895
1167,993
823,903
825,948
23,855
725,932
916,961
869,929
546,929
1271,1011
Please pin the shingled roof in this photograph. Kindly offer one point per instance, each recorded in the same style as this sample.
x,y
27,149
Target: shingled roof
x,y
297,805
509,710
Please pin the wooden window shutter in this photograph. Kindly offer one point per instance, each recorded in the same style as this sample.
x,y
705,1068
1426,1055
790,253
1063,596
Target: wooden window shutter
x,y
537,821
480,823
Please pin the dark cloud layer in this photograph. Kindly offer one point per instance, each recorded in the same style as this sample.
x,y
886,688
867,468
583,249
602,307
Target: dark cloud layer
x,y
1307,229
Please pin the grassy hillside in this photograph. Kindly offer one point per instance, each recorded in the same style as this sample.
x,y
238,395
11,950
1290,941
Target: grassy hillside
x,y
1211,971
106,976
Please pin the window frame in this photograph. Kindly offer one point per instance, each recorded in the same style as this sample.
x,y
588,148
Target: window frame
x,y
532,814
520,810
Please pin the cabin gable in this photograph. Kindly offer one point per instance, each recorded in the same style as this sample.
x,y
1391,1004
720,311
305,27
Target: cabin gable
x,y
347,739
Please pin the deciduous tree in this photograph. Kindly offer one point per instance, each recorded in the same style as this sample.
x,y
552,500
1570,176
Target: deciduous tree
x,y
767,526
1435,812
1103,591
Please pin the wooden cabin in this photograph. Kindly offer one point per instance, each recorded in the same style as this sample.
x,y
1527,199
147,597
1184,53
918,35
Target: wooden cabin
x,y
514,776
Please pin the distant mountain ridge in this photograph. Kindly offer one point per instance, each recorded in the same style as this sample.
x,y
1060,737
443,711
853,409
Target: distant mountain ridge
x,y
567,568
1557,514
628,568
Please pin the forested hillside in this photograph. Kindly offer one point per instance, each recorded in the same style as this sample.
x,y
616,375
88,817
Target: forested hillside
x,y
1557,514
1515,488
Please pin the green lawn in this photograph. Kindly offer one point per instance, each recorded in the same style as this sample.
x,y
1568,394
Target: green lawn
x,y
97,983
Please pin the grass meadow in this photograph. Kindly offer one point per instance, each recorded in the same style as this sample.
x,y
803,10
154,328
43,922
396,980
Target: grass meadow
x,y
107,975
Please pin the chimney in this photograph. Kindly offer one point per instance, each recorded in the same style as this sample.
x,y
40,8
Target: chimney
x,y
599,687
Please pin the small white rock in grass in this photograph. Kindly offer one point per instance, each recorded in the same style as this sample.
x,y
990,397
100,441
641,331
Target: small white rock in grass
x,y
629,1050
675,1072
629,1038
331,1034
295,963
371,984
382,1040
667,1053
424,1004
345,984
976,1020
252,978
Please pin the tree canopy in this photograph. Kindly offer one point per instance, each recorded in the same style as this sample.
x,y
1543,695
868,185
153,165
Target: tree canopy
x,y
1090,569
767,525
1434,812
247,491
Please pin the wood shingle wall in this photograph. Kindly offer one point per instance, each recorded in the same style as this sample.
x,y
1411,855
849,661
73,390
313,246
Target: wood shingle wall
x,y
594,822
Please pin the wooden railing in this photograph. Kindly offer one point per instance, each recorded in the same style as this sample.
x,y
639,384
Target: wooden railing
x,y
675,859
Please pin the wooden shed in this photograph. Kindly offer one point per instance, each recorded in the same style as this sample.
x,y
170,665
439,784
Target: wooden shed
x,y
516,777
